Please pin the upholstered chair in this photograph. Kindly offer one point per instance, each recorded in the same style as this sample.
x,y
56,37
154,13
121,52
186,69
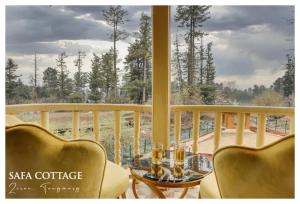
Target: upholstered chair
x,y
31,148
242,172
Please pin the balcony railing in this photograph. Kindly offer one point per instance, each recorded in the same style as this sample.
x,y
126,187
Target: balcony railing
x,y
196,110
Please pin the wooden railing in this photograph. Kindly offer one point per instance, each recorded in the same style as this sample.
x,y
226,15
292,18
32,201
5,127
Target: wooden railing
x,y
44,110
262,113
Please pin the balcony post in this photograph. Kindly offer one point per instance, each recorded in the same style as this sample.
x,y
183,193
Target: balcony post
x,y
136,146
240,129
292,124
161,75
196,120
261,129
96,128
177,129
218,126
117,129
44,119
75,124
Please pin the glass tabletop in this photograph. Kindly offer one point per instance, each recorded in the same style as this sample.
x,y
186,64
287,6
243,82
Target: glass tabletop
x,y
195,167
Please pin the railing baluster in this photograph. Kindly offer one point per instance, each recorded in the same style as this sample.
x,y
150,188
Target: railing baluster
x,y
261,128
75,124
96,128
44,119
196,120
240,129
218,126
117,129
247,121
177,129
292,124
136,146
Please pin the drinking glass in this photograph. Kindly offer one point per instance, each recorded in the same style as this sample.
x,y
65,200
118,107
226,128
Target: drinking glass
x,y
179,154
157,153
178,169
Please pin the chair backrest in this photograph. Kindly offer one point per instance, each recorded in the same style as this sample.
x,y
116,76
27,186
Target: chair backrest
x,y
267,172
39,154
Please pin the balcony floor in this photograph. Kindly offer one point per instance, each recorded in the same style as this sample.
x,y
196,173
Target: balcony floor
x,y
206,143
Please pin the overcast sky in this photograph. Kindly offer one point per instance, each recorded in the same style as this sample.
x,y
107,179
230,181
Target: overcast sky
x,y
250,43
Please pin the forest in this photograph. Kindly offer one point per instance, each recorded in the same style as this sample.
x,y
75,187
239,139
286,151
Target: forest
x,y
192,67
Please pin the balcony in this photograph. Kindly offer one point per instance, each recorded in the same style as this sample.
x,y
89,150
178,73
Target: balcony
x,y
207,143
131,129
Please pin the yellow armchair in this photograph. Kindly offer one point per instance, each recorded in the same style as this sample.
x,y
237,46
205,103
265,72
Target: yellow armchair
x,y
242,172
38,153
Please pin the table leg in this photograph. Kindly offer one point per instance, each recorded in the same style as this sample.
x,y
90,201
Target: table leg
x,y
184,192
133,188
152,187
123,195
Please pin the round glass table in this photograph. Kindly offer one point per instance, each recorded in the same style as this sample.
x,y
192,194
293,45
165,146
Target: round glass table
x,y
195,168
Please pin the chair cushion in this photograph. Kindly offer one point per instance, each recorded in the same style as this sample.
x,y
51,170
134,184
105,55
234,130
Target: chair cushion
x,y
115,182
209,187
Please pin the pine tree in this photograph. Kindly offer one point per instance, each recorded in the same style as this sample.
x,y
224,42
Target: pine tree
x,y
10,70
22,92
201,59
134,72
10,79
210,71
289,77
208,90
191,17
138,65
258,90
95,80
278,85
115,16
145,41
80,77
106,70
50,81
64,82
178,63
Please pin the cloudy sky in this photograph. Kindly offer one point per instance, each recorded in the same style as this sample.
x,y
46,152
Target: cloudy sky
x,y
250,43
